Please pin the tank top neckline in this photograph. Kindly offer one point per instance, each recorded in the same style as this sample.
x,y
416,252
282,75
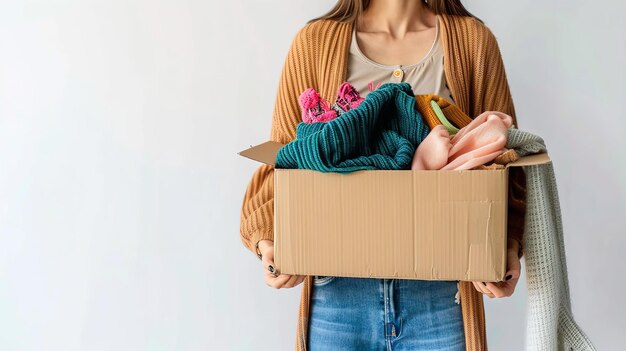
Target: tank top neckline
x,y
355,46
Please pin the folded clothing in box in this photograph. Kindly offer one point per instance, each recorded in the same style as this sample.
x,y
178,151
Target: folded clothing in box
x,y
381,133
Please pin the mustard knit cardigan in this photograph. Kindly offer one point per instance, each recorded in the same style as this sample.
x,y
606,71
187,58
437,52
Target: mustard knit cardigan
x,y
318,58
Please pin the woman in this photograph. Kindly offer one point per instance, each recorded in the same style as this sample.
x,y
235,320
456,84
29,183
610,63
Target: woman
x,y
438,47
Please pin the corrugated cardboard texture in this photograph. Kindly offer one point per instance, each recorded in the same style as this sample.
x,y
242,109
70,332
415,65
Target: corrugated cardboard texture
x,y
435,225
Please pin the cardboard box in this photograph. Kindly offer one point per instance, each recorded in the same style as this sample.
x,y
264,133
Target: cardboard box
x,y
431,225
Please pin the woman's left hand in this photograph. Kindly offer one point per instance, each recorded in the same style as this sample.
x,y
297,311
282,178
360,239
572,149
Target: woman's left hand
x,y
504,288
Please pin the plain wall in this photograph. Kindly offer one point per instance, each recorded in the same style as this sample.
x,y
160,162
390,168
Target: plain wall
x,y
120,186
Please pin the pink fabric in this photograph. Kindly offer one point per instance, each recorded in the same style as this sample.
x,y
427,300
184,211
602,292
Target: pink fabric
x,y
348,97
315,108
432,152
473,145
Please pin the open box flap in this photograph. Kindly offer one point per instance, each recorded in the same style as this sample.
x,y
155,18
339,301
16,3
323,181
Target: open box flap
x,y
267,151
532,159
264,153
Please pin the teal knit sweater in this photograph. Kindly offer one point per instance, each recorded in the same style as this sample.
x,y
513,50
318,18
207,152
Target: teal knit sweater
x,y
382,133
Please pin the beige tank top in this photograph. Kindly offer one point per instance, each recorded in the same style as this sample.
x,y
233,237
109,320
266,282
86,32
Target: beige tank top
x,y
426,76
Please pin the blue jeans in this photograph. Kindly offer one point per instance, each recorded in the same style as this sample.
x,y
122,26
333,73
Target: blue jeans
x,y
384,314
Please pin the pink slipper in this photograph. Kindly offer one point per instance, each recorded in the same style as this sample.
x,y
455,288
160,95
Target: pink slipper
x,y
347,98
314,108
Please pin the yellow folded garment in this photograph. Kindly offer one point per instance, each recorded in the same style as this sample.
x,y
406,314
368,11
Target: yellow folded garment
x,y
453,113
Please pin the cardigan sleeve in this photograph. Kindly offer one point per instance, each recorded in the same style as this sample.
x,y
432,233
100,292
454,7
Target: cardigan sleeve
x,y
492,93
257,210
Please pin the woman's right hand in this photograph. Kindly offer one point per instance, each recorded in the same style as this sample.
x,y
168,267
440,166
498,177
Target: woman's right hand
x,y
266,247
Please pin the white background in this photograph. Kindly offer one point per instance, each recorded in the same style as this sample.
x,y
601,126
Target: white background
x,y
120,186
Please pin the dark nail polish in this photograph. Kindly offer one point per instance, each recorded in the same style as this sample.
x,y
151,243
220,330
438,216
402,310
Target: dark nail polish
x,y
485,284
509,277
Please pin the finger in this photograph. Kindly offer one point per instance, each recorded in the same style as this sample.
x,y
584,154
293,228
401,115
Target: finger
x,y
509,286
514,267
485,290
269,254
496,290
476,287
270,280
503,288
480,287
290,282
301,279
280,280
298,280
270,274
266,263
275,281
514,272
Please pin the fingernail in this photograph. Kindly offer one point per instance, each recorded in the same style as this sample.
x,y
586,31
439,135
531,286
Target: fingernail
x,y
270,268
485,284
509,277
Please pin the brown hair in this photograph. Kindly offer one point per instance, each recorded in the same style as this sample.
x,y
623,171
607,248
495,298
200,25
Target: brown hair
x,y
350,10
